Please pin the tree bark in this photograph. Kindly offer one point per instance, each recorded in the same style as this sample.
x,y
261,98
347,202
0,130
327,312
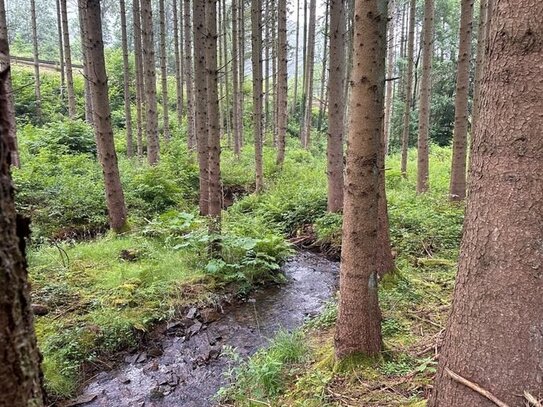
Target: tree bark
x,y
336,110
164,72
88,98
256,57
296,57
322,99
35,52
282,80
21,381
226,70
61,51
148,50
308,75
425,93
126,83
479,63
214,135
408,86
494,336
391,61
10,106
189,77
72,110
457,190
358,328
236,60
94,45
178,70
139,75
200,84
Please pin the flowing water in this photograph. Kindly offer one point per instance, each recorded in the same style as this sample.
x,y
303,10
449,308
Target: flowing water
x,y
185,368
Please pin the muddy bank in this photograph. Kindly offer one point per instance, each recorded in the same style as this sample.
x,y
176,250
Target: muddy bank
x,y
185,368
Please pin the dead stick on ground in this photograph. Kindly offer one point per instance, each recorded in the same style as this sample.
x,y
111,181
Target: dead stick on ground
x,y
532,400
476,388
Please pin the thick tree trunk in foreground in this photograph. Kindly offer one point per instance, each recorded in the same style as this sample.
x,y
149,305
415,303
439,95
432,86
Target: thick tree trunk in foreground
x,y
200,84
282,80
457,190
408,86
20,376
308,76
72,111
256,57
336,109
425,89
35,52
164,72
189,77
494,336
90,9
139,75
358,328
148,50
126,83
236,91
12,130
213,131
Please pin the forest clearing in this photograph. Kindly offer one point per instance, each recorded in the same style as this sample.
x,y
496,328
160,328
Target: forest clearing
x,y
271,203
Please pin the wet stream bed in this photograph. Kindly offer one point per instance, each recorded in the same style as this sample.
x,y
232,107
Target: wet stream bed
x,y
185,368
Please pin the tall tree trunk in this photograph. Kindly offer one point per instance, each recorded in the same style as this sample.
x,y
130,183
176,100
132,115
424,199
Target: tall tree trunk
x,y
494,336
304,57
308,75
457,190
94,44
200,84
214,135
425,92
296,57
225,66
148,50
322,99
479,63
35,52
189,77
273,54
86,74
391,61
61,51
237,122
178,70
21,381
266,51
164,71
336,110
242,63
72,111
282,80
358,328
256,42
408,86
9,103
126,83
140,93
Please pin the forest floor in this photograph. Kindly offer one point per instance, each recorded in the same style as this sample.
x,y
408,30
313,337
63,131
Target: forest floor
x,y
105,296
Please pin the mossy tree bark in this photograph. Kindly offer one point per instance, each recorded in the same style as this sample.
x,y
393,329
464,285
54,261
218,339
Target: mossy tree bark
x,y
21,381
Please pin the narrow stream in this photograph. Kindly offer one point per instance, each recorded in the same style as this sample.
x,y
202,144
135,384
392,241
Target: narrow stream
x,y
186,368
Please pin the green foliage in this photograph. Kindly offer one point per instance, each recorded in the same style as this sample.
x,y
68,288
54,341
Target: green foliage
x,y
264,375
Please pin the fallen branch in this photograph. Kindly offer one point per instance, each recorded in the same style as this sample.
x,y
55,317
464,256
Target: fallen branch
x,y
532,400
475,387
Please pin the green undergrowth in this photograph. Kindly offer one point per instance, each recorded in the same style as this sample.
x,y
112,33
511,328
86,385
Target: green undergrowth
x,y
415,298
